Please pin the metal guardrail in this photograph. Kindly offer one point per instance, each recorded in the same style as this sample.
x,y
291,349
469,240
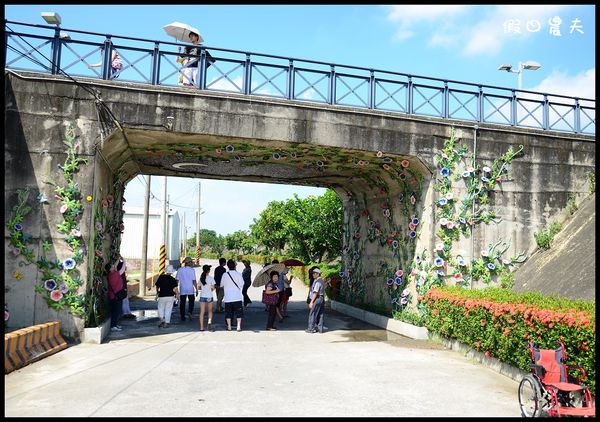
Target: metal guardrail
x,y
51,49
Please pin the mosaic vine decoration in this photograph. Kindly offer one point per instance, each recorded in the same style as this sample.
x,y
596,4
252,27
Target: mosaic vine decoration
x,y
393,228
60,279
457,217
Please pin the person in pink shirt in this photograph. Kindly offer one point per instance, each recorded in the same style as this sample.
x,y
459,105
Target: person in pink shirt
x,y
115,284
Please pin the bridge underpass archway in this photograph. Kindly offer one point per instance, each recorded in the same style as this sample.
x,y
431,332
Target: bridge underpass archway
x,y
382,193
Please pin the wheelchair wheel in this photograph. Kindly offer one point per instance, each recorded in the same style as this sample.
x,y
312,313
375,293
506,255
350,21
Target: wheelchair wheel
x,y
530,397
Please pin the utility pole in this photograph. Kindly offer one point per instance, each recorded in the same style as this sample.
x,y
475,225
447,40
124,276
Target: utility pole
x,y
142,287
198,229
163,251
183,242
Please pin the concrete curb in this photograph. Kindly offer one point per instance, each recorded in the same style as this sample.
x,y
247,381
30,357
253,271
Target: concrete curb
x,y
399,327
494,364
96,335
30,344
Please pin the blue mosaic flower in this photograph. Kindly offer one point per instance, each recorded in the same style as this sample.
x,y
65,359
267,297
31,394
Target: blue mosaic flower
x,y
439,262
415,221
418,259
444,172
276,156
398,281
443,201
461,262
402,176
484,179
395,244
505,168
18,227
320,163
229,148
390,282
491,266
462,220
466,174
69,264
50,285
439,272
342,274
413,234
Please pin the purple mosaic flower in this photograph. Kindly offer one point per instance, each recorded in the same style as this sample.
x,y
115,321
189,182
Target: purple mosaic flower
x,y
63,288
390,282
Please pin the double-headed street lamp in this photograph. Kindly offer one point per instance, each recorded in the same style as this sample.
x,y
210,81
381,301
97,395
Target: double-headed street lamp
x,y
529,65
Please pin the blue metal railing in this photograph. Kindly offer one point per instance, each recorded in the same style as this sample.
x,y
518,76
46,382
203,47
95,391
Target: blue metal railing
x,y
50,49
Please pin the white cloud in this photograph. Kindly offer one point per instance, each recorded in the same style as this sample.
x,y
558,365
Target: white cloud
x,y
488,37
582,85
451,26
411,15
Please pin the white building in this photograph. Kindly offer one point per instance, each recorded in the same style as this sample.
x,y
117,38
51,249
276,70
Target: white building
x,y
131,240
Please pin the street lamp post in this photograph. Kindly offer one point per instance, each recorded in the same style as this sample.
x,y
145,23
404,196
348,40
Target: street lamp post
x,y
529,65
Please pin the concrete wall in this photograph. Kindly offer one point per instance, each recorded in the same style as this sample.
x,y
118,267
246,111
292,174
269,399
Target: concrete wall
x,y
38,108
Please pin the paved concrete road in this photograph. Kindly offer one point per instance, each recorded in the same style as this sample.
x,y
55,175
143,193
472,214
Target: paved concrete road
x,y
353,369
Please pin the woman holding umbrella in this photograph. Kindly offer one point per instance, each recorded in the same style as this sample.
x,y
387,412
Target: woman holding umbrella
x,y
190,63
271,289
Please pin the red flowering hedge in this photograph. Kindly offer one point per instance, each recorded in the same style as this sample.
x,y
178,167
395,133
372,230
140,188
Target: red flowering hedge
x,y
499,322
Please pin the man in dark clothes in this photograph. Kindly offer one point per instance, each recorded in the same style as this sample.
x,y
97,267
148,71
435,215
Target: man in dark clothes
x,y
219,271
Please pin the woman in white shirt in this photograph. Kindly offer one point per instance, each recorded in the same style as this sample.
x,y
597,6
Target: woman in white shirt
x,y
207,285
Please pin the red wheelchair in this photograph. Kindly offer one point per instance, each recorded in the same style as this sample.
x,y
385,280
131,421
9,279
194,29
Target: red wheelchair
x,y
550,389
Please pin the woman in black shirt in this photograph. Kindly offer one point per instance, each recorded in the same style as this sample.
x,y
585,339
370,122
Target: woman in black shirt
x,y
166,288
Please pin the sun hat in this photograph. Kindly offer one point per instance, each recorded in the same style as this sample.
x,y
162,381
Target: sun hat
x,y
316,270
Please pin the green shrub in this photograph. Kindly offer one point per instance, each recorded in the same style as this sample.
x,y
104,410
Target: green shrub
x,y
409,317
507,280
592,179
501,322
544,237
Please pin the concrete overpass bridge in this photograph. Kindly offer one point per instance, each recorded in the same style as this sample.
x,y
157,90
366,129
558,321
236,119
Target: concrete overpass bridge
x,y
398,171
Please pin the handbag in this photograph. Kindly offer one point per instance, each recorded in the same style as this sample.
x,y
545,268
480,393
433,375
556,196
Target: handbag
x,y
288,291
269,299
121,294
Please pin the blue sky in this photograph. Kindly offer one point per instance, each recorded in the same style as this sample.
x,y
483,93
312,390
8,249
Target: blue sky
x,y
465,43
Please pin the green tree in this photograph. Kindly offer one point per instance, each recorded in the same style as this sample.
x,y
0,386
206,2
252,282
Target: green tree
x,y
309,229
209,239
239,241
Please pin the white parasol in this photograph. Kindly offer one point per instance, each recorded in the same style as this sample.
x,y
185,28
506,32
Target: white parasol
x,y
181,31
